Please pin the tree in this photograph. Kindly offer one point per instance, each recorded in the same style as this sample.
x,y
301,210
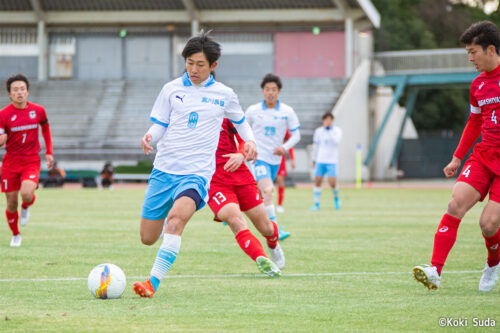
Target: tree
x,y
427,24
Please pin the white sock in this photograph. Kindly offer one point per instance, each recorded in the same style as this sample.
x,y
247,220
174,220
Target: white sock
x,y
271,213
166,256
316,194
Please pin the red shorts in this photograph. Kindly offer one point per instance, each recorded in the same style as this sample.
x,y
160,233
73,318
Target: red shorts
x,y
16,169
478,173
282,169
246,196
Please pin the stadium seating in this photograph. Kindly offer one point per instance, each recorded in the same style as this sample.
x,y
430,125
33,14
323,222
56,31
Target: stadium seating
x,y
104,119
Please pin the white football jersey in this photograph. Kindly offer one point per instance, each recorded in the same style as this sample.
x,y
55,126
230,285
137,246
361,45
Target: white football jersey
x,y
193,115
269,128
326,144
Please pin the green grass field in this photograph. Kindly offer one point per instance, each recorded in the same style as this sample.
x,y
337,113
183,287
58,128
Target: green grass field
x,y
382,231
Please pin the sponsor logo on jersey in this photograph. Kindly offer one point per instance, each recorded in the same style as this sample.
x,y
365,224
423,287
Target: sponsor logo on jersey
x,y
488,101
443,229
282,118
181,98
11,220
247,244
32,176
22,128
214,101
32,114
257,197
13,117
481,85
494,247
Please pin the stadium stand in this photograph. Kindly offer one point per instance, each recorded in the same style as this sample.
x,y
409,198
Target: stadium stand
x,y
98,118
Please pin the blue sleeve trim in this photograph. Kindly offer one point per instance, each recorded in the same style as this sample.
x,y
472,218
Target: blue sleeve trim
x,y
238,122
156,121
296,128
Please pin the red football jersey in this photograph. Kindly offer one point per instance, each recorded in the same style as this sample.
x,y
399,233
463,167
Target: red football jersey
x,y
21,126
227,145
485,100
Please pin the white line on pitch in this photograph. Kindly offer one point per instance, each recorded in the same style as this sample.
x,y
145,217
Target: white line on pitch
x,y
226,276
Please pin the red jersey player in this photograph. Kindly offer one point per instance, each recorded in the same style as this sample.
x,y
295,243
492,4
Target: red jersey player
x,y
19,124
481,172
280,177
233,190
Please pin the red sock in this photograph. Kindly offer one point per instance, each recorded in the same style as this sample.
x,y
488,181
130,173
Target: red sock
x,y
492,244
12,221
281,195
272,240
26,205
443,240
250,244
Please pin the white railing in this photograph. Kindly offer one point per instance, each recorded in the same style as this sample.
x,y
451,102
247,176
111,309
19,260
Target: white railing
x,y
424,61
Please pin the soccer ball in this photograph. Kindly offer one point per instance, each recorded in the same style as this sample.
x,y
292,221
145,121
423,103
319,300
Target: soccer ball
x,y
107,281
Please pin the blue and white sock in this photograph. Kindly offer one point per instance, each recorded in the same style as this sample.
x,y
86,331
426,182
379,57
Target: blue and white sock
x,y
335,192
316,195
271,213
165,258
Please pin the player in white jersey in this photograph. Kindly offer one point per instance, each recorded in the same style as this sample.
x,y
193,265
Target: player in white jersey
x,y
187,118
325,158
269,120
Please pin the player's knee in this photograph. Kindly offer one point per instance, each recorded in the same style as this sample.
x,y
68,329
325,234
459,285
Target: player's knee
x,y
175,225
268,191
456,208
148,239
237,222
489,224
27,196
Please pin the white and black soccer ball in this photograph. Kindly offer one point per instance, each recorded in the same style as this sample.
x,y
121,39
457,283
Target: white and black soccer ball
x,y
107,281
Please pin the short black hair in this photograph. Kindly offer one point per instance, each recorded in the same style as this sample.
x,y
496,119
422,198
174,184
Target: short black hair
x,y
327,114
202,43
271,78
17,77
484,33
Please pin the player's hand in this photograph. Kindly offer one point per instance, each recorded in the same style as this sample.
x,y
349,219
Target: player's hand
x,y
451,169
293,164
50,161
3,139
234,162
146,144
251,151
279,151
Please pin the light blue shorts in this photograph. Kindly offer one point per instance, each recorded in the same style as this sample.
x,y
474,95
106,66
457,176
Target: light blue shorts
x,y
322,169
163,189
265,170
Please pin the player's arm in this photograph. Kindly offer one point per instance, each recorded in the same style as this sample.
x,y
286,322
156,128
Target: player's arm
x,y
293,126
47,138
3,137
235,159
3,134
315,147
235,114
470,134
160,116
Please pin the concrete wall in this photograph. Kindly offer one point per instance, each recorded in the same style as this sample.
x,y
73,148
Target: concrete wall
x,y
304,55
381,169
351,114
10,65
